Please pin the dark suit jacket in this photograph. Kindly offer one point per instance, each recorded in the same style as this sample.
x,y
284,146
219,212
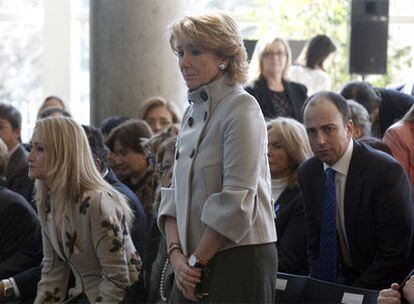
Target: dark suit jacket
x,y
291,235
17,178
139,231
20,240
378,216
296,92
393,107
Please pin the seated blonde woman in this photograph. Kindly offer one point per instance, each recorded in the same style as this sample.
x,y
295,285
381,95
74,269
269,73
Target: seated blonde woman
x,y
84,220
159,113
288,147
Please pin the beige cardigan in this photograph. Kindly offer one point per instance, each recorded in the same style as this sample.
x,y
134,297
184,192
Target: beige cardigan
x,y
95,245
221,176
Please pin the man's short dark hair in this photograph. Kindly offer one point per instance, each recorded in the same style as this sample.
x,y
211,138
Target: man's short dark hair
x,y
131,134
12,115
96,142
338,101
363,93
111,123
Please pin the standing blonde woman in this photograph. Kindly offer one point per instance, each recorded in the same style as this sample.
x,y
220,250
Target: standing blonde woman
x,y
217,215
84,220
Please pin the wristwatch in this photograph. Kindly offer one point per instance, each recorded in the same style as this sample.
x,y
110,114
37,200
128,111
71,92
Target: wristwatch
x,y
8,289
194,261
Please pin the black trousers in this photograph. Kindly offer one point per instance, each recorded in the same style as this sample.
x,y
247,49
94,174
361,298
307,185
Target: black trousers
x,y
244,274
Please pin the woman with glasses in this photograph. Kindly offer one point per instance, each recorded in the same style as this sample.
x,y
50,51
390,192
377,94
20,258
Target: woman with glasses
x,y
277,96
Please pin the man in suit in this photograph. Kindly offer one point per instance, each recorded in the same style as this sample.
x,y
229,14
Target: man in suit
x,y
384,106
17,179
371,218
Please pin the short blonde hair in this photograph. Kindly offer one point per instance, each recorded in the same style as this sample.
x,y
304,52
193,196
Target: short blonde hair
x,y
4,158
158,101
218,33
294,140
264,45
71,170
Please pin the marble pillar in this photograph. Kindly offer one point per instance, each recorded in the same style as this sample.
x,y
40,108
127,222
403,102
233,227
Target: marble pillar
x,y
131,59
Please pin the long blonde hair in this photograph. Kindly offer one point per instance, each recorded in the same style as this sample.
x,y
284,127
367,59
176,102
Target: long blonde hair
x,y
71,170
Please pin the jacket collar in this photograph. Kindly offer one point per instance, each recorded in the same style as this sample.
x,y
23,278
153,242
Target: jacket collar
x,y
213,92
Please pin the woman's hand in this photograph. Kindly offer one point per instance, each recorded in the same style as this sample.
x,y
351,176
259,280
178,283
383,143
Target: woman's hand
x,y
390,295
186,277
408,290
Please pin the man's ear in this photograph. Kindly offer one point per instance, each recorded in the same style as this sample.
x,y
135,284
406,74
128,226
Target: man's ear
x,y
350,128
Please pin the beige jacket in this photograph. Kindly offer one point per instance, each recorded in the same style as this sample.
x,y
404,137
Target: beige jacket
x,y
221,176
95,245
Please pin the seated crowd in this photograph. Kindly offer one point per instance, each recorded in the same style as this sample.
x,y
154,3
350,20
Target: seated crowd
x,y
343,209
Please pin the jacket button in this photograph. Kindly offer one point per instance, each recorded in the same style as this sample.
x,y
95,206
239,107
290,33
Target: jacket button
x,y
205,116
192,153
190,122
204,95
177,155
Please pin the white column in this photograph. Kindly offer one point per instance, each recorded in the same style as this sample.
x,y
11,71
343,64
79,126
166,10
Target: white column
x,y
131,59
57,59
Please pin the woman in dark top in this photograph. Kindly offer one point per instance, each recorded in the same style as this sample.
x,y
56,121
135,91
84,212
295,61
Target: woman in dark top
x,y
288,147
277,96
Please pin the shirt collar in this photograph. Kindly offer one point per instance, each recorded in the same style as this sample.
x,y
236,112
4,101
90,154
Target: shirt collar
x,y
342,165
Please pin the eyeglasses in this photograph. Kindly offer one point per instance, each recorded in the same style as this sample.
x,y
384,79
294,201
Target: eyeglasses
x,y
271,54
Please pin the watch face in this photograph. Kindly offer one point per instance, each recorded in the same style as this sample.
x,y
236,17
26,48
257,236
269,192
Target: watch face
x,y
192,261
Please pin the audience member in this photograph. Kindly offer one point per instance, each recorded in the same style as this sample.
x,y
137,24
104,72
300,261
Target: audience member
x,y
159,113
313,60
158,267
20,241
400,139
277,96
16,172
384,106
358,202
128,142
360,118
111,123
52,112
217,215
106,127
139,231
288,147
84,220
51,102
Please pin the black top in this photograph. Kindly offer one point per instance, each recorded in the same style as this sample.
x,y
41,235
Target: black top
x,y
295,94
291,236
393,107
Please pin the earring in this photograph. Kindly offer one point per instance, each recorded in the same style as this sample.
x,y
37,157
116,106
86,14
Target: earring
x,y
222,66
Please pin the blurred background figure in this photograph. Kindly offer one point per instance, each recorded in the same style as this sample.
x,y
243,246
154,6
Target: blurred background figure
x,y
384,106
128,142
106,127
288,147
360,118
52,112
159,113
51,102
312,63
400,139
269,70
17,168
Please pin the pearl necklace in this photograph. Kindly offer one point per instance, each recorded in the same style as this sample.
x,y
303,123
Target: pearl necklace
x,y
162,281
